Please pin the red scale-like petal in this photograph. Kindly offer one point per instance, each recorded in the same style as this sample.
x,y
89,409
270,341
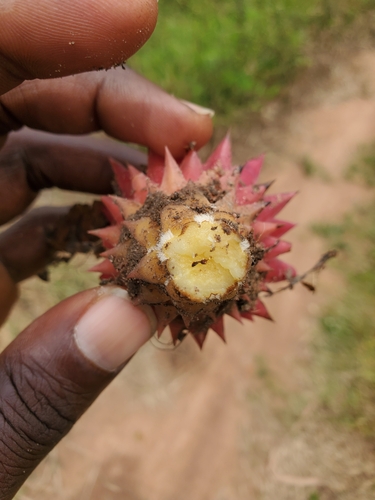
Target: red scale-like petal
x,y
164,316
173,180
280,271
235,313
111,210
176,327
280,248
247,195
264,229
222,156
155,167
218,327
140,183
247,315
263,267
282,228
109,235
269,242
106,268
200,338
261,310
122,178
191,166
251,212
128,207
276,203
251,170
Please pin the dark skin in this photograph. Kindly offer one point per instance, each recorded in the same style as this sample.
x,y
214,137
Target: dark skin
x,y
46,382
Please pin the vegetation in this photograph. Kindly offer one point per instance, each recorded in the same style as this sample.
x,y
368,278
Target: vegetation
x,y
364,168
348,326
236,53
311,169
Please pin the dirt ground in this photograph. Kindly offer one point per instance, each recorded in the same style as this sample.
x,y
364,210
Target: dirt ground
x,y
241,421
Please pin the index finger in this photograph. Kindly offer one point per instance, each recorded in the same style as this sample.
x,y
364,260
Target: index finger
x,y
31,161
51,39
121,103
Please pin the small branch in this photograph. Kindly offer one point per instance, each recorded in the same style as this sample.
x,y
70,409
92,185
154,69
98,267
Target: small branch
x,y
319,266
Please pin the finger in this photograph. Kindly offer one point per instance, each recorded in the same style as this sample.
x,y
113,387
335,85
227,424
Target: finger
x,y
49,234
49,39
24,250
8,293
56,368
124,104
31,161
120,102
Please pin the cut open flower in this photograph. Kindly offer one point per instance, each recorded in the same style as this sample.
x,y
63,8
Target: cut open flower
x,y
196,241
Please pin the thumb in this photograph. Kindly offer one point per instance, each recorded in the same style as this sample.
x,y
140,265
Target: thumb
x,y
50,39
56,368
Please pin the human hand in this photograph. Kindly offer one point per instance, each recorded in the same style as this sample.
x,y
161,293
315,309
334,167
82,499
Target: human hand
x,y
55,368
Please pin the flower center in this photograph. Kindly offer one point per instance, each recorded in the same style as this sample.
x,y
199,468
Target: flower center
x,y
206,258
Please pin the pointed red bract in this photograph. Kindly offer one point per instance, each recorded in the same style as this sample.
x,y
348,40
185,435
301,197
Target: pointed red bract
x,y
260,310
235,313
155,167
277,203
280,271
128,207
264,229
200,338
251,170
122,177
109,235
247,315
164,316
111,210
106,269
282,228
173,180
218,327
191,167
177,327
263,267
140,183
279,248
247,195
221,157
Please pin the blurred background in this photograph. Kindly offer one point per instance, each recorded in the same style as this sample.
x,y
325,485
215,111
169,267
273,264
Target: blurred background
x,y
284,410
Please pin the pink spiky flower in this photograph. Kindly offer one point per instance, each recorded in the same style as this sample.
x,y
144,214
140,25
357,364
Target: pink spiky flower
x,y
195,241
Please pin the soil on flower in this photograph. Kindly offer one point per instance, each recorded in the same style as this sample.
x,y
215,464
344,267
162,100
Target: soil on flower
x,y
70,235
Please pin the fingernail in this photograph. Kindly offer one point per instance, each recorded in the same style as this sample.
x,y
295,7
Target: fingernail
x,y
199,109
113,329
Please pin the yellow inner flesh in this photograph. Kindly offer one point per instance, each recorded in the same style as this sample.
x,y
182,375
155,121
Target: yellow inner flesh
x,y
204,261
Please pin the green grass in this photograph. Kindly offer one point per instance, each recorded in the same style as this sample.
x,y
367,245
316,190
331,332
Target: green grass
x,y
347,348
314,496
311,169
237,53
364,168
334,232
347,351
